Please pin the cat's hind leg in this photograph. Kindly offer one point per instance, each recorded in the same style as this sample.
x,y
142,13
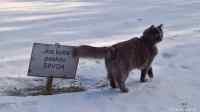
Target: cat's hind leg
x,y
110,75
112,80
121,79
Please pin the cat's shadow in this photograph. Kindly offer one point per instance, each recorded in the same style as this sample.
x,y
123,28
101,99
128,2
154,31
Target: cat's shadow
x,y
103,92
110,92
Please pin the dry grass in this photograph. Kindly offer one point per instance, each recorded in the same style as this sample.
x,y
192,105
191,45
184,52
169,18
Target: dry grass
x,y
36,91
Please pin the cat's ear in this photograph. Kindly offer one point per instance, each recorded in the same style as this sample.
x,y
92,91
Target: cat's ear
x,y
160,26
152,26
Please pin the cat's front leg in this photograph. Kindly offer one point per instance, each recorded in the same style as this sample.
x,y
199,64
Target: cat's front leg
x,y
143,75
150,72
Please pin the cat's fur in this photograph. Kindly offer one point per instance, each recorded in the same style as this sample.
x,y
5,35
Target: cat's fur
x,y
121,58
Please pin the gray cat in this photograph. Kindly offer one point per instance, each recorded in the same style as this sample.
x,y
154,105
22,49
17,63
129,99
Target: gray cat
x,y
121,58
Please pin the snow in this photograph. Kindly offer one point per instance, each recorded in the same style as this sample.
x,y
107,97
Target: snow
x,y
175,88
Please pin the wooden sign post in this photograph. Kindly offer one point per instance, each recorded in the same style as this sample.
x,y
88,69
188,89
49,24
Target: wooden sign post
x,y
52,61
49,85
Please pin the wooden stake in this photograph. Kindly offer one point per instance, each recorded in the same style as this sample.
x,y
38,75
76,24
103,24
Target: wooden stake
x,y
49,85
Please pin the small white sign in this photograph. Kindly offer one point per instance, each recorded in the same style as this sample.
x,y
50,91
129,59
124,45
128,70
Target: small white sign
x,y
49,60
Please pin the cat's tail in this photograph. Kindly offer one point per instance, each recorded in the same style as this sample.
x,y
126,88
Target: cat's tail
x,y
86,51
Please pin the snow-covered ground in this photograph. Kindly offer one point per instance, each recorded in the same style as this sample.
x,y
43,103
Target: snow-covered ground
x,y
175,88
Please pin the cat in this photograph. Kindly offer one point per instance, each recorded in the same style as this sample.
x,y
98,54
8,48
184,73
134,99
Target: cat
x,y
122,57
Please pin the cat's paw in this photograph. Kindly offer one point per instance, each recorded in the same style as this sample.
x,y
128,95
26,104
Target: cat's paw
x,y
143,80
150,76
124,90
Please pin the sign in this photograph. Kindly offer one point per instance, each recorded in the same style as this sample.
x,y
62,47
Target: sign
x,y
49,60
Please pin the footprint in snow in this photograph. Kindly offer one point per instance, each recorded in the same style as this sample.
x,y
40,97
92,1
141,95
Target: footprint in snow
x,y
185,67
167,55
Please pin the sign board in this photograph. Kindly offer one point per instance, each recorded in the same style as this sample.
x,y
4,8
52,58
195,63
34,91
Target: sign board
x,y
49,60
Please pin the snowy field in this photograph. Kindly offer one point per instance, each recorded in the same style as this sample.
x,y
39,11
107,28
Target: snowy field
x,y
175,88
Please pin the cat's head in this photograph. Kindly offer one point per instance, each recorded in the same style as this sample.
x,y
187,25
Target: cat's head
x,y
153,34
